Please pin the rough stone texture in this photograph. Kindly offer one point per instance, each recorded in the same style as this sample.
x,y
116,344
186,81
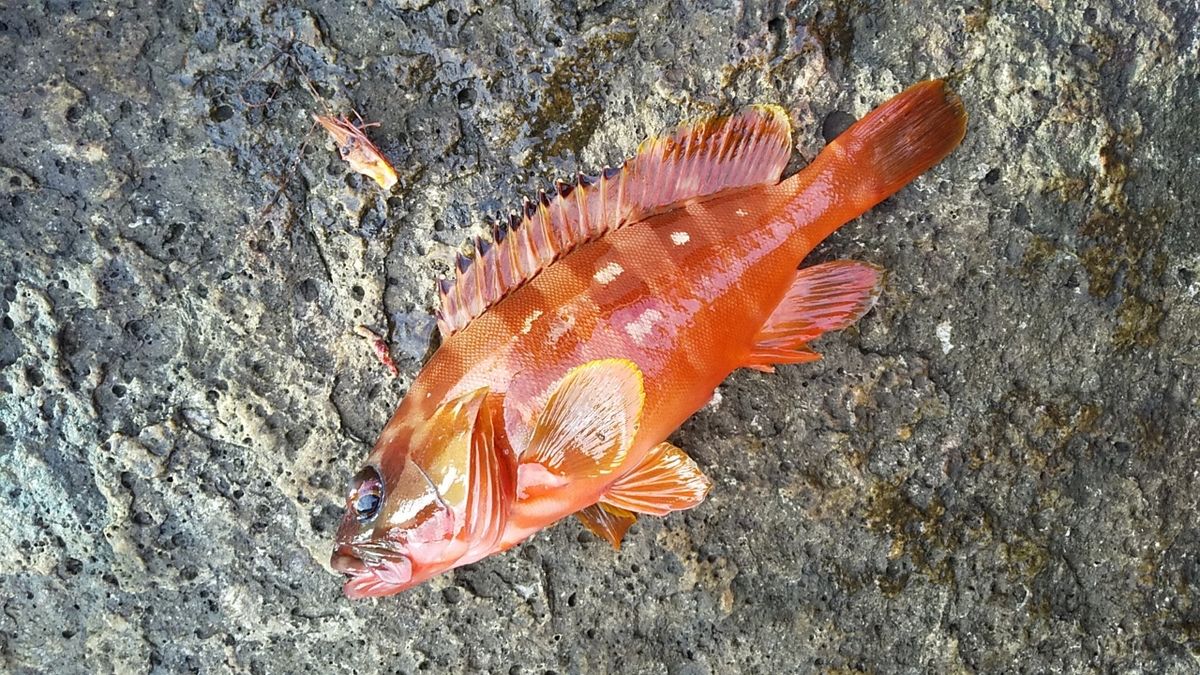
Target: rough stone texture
x,y
997,469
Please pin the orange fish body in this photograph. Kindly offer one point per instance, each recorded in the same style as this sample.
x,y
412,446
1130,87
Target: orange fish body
x,y
586,335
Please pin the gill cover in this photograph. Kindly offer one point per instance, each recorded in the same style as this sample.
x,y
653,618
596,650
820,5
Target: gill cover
x,y
457,480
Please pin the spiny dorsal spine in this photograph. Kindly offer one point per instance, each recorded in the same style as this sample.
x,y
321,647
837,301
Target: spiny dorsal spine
x,y
697,160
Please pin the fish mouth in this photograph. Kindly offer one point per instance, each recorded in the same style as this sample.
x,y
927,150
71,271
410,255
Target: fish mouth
x,y
347,564
373,576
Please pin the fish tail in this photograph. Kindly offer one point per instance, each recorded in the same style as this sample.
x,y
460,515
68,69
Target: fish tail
x,y
877,156
904,137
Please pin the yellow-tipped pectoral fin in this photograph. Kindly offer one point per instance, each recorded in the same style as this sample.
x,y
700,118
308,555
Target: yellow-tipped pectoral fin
x,y
667,480
607,522
589,421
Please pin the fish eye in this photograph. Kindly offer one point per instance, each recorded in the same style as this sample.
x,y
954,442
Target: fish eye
x,y
366,494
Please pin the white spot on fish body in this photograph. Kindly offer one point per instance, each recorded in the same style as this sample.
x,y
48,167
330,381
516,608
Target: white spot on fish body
x,y
561,327
607,273
680,238
943,335
742,212
528,325
640,327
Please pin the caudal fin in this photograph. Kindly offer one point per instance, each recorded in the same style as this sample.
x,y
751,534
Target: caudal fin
x,y
904,137
875,157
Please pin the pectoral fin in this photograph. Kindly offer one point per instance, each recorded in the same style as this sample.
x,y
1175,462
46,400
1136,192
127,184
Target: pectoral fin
x,y
607,522
589,421
822,298
666,480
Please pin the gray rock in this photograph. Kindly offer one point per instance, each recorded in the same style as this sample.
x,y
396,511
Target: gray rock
x,y
995,470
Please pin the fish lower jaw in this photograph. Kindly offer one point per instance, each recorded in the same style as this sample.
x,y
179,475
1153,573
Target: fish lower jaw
x,y
386,577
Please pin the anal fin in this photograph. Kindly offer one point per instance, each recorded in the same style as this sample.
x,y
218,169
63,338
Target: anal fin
x,y
765,358
666,480
607,522
822,298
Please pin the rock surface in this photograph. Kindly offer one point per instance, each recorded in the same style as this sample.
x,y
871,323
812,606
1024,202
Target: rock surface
x,y
997,469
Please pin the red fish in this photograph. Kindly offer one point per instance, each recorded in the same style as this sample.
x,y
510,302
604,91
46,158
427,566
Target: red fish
x,y
601,317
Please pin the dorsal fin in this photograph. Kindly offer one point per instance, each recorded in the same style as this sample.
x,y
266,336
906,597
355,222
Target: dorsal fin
x,y
697,160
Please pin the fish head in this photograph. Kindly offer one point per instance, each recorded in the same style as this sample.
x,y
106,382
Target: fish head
x,y
395,525
405,507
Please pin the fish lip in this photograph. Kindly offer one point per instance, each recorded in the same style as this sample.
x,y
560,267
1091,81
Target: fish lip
x,y
373,576
347,563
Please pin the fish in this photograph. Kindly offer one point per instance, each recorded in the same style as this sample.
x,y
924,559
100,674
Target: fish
x,y
357,150
594,321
